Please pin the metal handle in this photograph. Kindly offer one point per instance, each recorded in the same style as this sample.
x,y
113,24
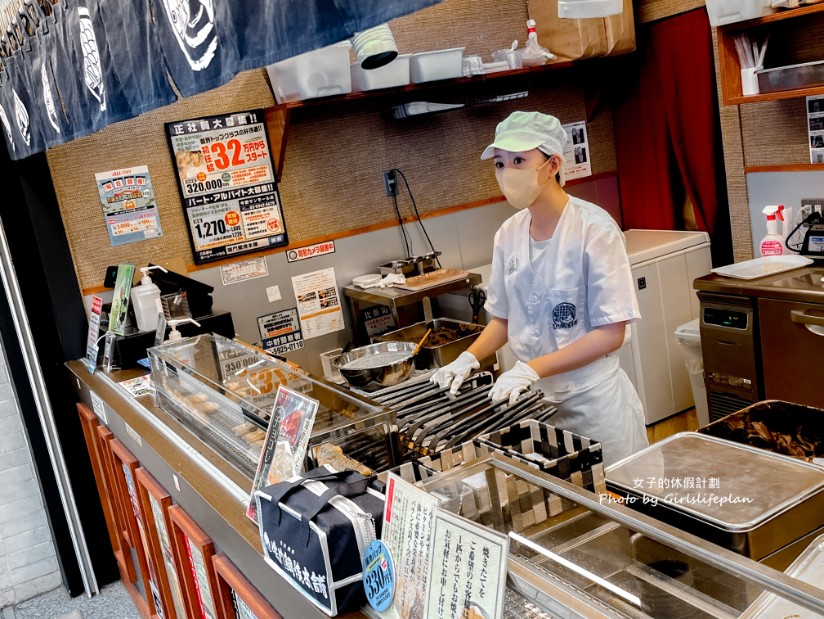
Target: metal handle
x,y
804,318
813,324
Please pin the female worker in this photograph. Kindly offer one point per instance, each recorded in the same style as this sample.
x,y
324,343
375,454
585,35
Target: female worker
x,y
560,293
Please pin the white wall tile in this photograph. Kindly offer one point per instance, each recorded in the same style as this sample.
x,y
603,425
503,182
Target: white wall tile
x,y
27,589
31,555
16,474
27,539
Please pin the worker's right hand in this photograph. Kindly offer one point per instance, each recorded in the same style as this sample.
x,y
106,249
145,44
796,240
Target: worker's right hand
x,y
455,373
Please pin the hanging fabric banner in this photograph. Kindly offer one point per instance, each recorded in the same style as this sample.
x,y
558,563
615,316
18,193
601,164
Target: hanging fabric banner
x,y
97,98
195,43
19,103
54,124
136,54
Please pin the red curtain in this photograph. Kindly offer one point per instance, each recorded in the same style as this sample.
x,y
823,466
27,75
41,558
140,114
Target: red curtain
x,y
668,137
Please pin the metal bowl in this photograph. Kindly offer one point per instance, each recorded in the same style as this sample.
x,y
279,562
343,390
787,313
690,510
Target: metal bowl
x,y
377,365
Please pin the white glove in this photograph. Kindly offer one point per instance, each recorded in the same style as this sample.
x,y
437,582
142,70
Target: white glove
x,y
511,383
456,372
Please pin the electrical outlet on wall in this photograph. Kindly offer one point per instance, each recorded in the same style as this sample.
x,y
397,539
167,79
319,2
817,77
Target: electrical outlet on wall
x,y
810,205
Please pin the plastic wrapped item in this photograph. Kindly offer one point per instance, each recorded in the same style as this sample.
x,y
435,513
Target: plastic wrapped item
x,y
511,56
534,54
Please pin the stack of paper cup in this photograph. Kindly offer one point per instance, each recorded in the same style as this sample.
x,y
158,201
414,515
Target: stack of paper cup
x,y
375,47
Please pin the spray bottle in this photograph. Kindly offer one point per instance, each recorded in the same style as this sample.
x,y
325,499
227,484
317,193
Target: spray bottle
x,y
773,243
146,301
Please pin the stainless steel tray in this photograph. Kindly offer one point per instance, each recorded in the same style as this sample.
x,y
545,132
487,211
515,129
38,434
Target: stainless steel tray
x,y
791,76
808,567
436,356
755,495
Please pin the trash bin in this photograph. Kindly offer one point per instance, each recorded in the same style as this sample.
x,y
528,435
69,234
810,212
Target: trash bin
x,y
688,336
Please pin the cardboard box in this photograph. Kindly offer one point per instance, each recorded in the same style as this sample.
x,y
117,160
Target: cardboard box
x,y
573,39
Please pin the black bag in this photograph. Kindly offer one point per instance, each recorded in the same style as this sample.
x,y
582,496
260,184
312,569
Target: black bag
x,y
314,529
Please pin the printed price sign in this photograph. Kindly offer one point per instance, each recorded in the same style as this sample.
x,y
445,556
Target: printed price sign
x,y
227,184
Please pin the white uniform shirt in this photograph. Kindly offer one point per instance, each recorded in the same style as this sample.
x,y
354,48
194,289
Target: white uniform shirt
x,y
583,281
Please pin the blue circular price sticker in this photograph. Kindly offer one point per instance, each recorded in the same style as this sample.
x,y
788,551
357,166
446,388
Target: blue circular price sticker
x,y
378,575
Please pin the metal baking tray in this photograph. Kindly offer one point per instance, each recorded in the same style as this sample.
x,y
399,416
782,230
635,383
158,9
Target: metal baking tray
x,y
791,76
752,501
809,568
784,427
431,356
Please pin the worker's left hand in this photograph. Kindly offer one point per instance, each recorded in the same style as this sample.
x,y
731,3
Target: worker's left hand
x,y
511,383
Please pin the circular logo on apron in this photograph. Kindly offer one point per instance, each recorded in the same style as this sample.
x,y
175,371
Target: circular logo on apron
x,y
563,316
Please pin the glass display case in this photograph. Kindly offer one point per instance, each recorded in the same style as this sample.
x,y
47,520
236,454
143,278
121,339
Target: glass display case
x,y
224,391
600,559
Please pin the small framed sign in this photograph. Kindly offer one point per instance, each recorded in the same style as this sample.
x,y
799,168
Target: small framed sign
x,y
227,184
193,555
126,465
155,503
236,595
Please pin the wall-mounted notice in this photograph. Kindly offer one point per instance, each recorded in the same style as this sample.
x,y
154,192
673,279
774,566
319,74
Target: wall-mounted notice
x,y
227,184
318,303
128,205
577,151
243,271
280,331
815,128
467,574
311,251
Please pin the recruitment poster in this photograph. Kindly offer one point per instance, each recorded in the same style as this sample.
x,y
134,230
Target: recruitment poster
x,y
577,151
227,184
128,203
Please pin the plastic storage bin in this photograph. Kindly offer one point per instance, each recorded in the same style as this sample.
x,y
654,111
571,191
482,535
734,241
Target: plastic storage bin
x,y
728,11
442,64
392,75
319,73
688,336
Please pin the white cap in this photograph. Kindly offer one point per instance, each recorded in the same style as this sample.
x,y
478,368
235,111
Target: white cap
x,y
523,131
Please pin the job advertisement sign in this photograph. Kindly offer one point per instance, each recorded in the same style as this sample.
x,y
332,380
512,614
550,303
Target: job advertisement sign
x,y
227,184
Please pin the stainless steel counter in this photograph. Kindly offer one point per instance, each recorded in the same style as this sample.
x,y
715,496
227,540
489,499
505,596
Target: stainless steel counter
x,y
804,285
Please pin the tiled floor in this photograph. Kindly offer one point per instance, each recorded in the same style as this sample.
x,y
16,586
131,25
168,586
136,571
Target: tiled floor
x,y
112,603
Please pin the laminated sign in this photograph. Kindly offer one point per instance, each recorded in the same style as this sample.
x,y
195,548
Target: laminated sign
x,y
227,184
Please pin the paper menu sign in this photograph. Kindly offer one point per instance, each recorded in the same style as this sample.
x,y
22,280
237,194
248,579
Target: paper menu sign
x,y
287,437
319,306
577,153
468,569
407,522
94,332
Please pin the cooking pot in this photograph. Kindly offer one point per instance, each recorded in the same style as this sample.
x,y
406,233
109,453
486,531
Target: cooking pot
x,y
378,365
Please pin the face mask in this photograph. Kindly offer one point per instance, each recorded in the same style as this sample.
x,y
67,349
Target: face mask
x,y
520,186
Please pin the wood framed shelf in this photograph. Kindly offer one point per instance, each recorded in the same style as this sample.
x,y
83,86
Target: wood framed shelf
x,y
782,22
278,117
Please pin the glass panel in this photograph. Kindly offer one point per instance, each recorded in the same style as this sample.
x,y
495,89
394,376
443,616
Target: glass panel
x,y
604,565
223,391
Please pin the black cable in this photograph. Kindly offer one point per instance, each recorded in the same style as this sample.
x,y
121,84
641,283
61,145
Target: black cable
x,y
417,215
407,241
809,220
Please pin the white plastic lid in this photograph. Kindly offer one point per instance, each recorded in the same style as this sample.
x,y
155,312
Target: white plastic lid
x,y
574,9
690,331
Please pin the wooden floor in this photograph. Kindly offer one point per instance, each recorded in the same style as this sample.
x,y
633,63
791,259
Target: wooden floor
x,y
683,422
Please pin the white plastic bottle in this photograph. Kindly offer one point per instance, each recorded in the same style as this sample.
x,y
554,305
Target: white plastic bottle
x,y
146,301
773,243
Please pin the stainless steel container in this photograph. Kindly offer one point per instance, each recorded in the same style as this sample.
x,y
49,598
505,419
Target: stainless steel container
x,y
378,365
791,77
749,500
438,355
809,568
